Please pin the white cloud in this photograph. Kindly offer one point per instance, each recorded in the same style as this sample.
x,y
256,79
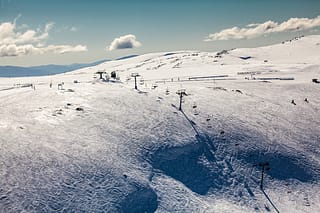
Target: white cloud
x,y
28,49
124,42
61,49
73,29
14,50
23,26
256,30
14,42
6,31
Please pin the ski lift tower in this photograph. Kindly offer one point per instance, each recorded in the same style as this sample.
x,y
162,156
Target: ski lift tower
x,y
135,75
264,166
101,72
181,93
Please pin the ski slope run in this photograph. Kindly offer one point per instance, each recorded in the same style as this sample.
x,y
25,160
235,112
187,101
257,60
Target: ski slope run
x,y
98,146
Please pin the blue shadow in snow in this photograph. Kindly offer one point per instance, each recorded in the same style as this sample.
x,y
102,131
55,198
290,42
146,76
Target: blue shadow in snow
x,y
186,165
283,166
143,199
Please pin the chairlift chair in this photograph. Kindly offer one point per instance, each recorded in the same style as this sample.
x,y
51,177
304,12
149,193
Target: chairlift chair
x,y
141,81
167,91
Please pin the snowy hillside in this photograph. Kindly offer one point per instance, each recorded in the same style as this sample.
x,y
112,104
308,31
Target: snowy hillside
x,y
102,146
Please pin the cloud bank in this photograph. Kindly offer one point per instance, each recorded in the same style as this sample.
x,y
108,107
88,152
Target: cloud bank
x,y
124,42
256,30
14,42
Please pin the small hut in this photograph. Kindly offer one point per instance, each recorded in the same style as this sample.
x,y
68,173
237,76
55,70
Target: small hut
x,y
113,74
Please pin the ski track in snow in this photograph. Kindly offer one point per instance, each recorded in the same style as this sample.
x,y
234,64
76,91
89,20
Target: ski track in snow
x,y
98,146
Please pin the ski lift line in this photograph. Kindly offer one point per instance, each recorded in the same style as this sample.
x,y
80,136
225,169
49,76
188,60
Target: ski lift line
x,y
190,78
210,76
209,80
166,79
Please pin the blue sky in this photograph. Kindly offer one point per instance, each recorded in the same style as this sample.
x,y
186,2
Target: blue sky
x,y
84,31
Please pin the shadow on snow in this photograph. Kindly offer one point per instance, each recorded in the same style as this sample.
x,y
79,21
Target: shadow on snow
x,y
199,167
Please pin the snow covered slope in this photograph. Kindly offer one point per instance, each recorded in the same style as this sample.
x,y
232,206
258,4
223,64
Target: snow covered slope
x,y
98,146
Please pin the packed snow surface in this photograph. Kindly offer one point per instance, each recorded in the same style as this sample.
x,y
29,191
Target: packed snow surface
x,y
102,146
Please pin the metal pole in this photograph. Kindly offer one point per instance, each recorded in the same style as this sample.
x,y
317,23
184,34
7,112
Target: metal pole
x,y
264,166
262,174
180,108
135,82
